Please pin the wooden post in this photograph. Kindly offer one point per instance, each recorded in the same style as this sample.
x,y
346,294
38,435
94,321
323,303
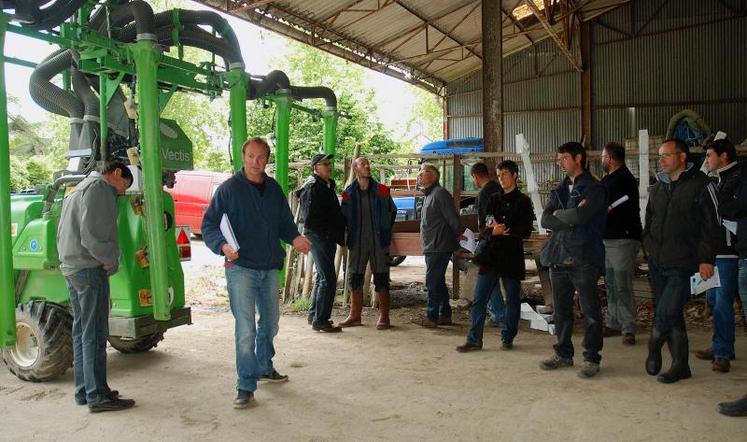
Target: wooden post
x,y
308,275
342,252
458,184
367,298
492,76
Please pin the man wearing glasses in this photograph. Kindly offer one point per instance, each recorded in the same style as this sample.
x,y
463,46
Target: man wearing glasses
x,y
680,237
324,225
576,214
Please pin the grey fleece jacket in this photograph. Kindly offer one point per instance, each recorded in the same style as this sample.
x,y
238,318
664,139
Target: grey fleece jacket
x,y
439,222
87,233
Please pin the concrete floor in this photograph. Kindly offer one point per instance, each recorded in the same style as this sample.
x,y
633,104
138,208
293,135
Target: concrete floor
x,y
403,384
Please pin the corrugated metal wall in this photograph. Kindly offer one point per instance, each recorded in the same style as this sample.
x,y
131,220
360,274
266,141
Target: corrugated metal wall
x,y
692,55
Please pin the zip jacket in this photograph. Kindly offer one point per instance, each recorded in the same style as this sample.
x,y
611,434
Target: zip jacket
x,y
260,217
682,228
577,218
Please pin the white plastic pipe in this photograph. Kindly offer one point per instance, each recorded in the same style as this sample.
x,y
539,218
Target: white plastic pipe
x,y
643,170
522,148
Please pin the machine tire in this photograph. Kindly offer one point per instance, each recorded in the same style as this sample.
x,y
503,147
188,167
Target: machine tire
x,y
139,345
44,342
394,261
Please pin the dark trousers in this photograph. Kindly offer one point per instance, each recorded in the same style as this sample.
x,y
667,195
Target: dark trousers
x,y
323,299
671,292
435,282
583,279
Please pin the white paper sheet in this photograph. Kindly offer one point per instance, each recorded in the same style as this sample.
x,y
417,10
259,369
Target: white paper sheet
x,y
619,201
730,225
697,285
227,231
468,243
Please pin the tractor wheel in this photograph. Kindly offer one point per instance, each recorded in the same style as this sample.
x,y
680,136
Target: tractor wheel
x,y
139,345
44,342
396,260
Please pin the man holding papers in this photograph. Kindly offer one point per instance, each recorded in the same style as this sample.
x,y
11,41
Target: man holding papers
x,y
680,238
726,173
622,239
512,216
258,214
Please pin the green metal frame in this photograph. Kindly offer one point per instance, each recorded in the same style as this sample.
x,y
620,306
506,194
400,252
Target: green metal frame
x,y
158,77
7,289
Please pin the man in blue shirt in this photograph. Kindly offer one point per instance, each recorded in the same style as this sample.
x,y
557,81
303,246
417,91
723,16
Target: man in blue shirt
x,y
258,213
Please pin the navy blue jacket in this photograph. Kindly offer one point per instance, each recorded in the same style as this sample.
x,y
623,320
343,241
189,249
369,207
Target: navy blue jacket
x,y
383,212
259,222
577,230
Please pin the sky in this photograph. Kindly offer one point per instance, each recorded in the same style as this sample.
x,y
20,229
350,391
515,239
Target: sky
x,y
258,46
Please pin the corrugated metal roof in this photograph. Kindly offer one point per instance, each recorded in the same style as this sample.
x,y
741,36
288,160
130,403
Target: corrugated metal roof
x,y
425,42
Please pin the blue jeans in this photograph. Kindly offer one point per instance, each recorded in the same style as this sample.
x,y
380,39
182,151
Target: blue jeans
x,y
671,293
486,286
565,281
89,300
721,300
496,306
435,283
250,292
323,253
743,283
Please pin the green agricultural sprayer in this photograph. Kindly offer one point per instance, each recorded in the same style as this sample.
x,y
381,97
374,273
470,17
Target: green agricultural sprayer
x,y
116,81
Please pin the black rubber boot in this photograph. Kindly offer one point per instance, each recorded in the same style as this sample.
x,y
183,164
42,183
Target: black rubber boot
x,y
678,345
653,361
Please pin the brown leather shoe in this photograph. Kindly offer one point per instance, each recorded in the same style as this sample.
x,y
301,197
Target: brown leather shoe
x,y
609,332
468,347
424,321
443,320
628,339
721,365
705,354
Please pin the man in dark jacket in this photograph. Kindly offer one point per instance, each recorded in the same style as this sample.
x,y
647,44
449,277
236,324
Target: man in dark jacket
x,y
257,211
680,237
324,226
721,162
622,240
488,187
576,214
512,223
739,407
370,213
439,234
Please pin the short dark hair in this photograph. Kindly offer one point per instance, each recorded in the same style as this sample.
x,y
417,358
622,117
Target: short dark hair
x,y
616,151
679,145
574,149
480,169
723,146
110,166
258,140
508,165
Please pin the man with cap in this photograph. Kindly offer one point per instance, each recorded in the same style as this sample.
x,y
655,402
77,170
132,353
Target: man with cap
x,y
324,226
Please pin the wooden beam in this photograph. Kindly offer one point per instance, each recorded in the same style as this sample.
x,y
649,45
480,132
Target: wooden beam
x,y
548,28
492,77
434,25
